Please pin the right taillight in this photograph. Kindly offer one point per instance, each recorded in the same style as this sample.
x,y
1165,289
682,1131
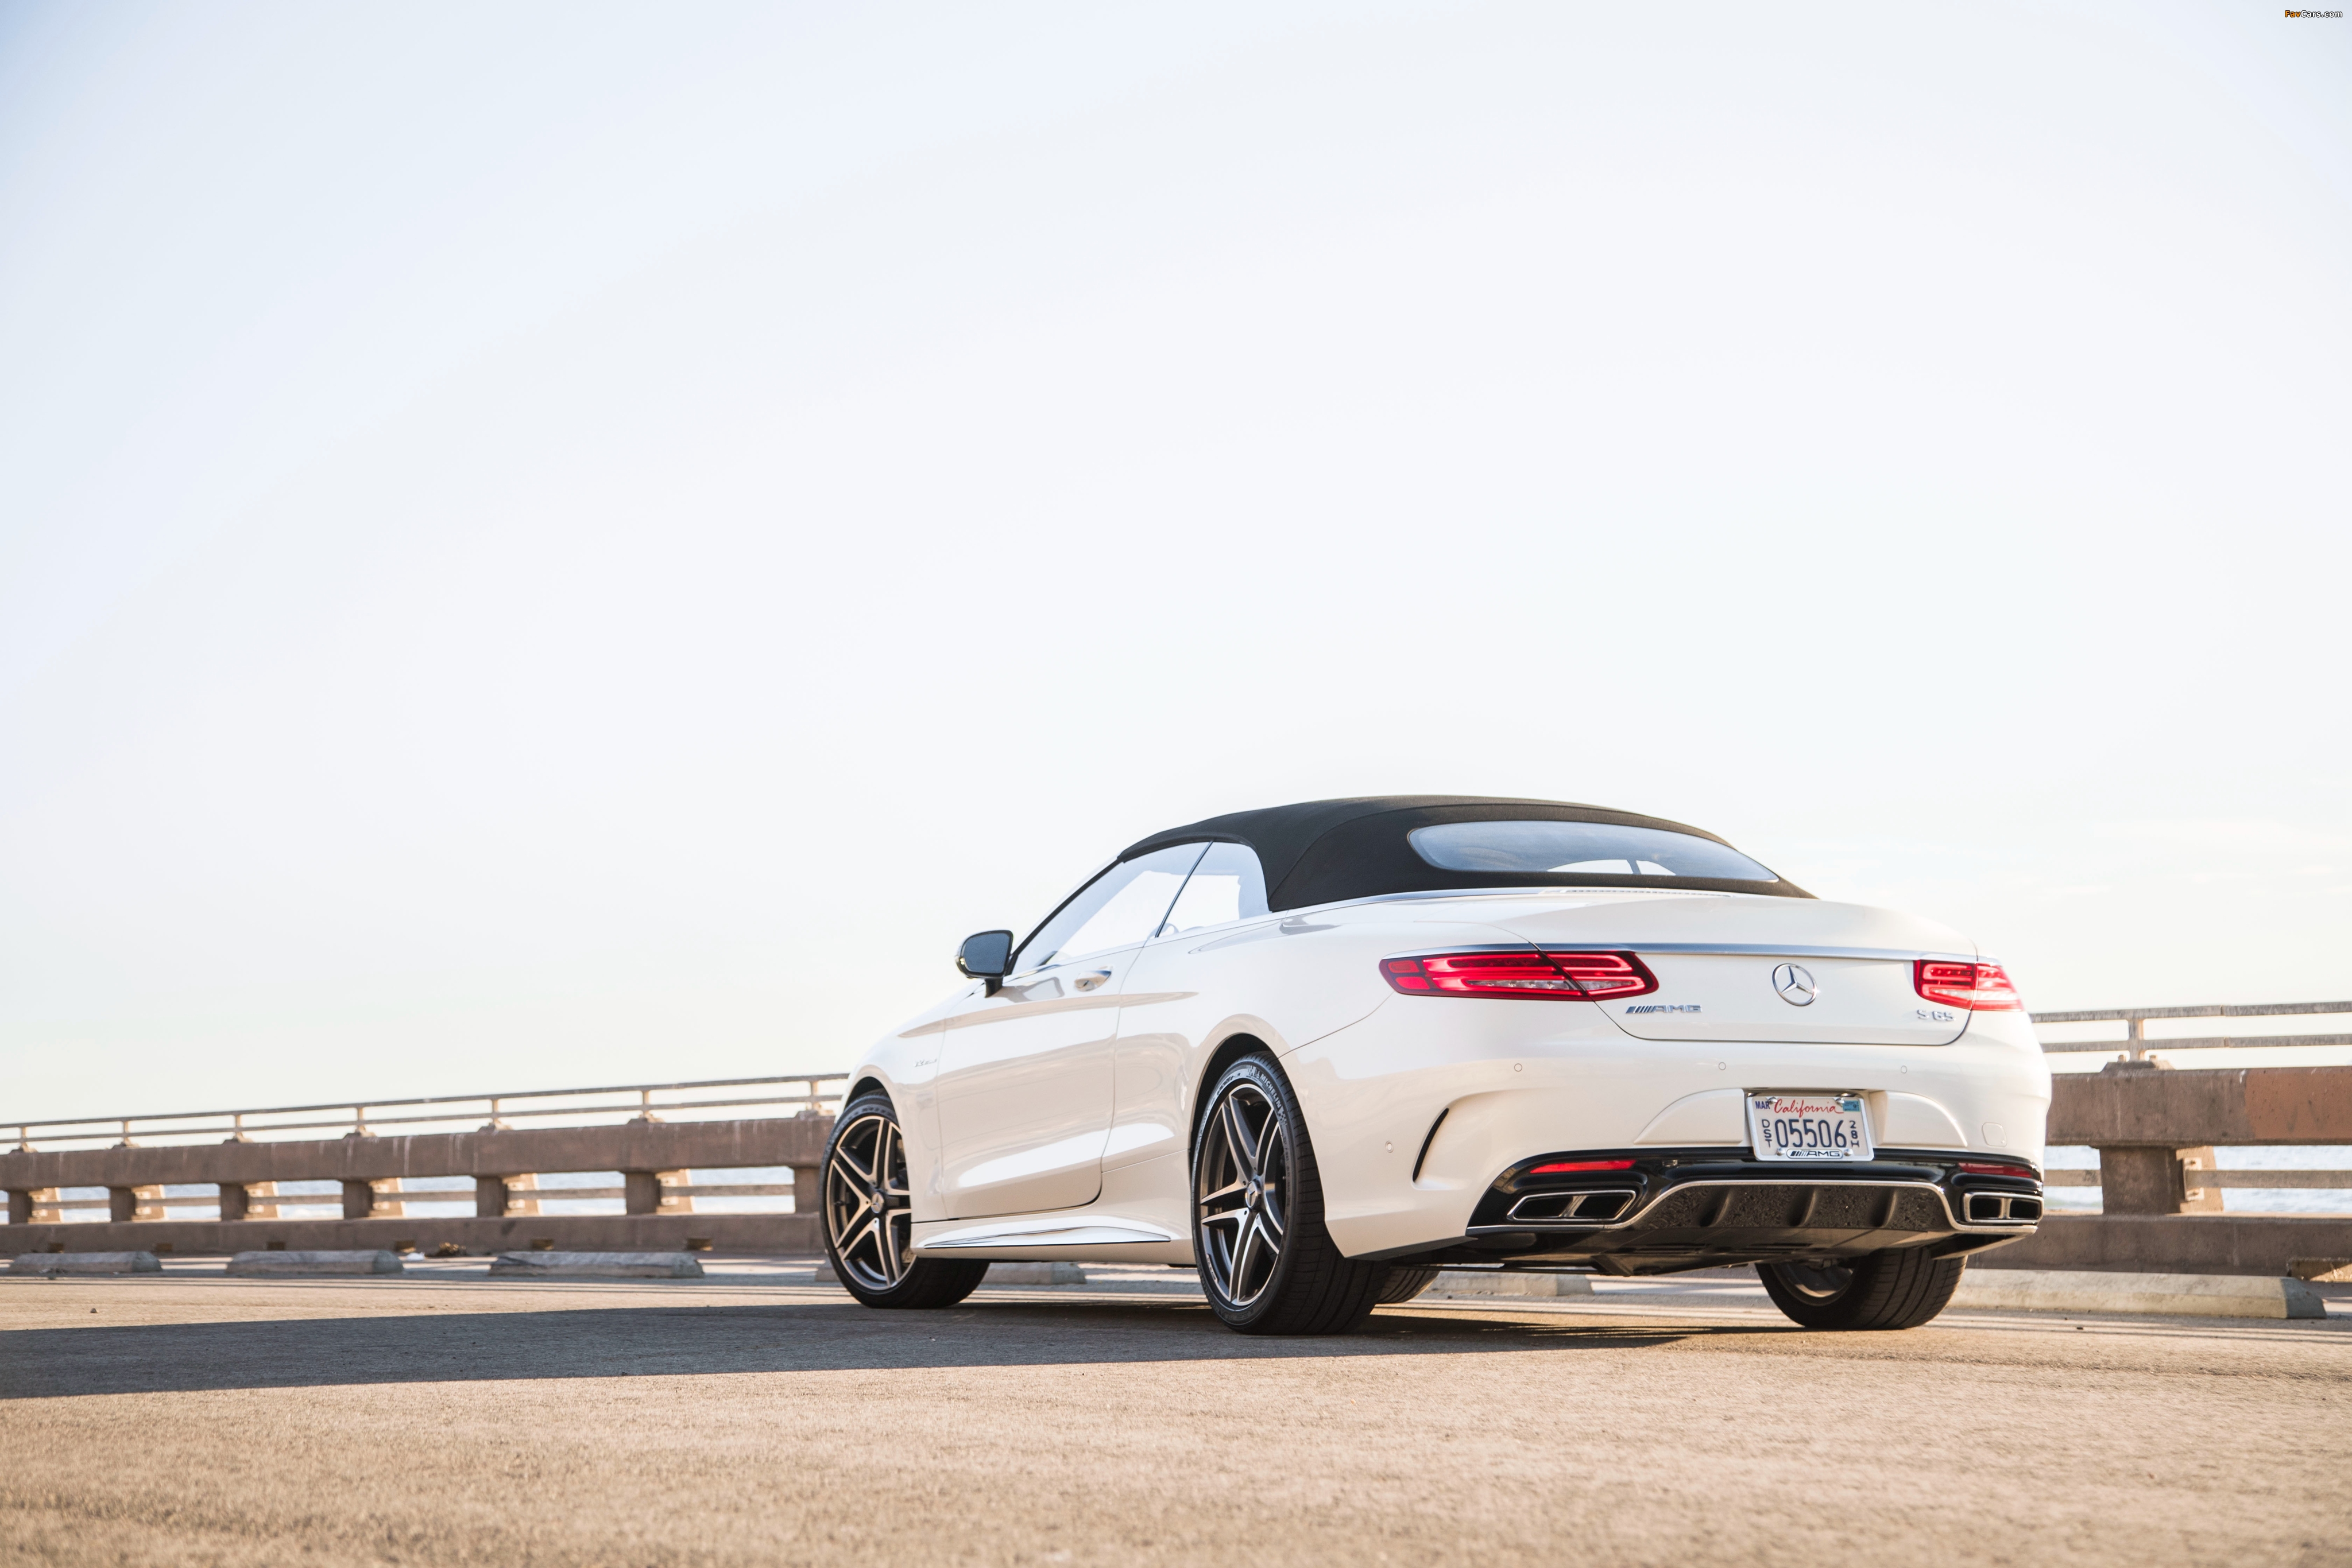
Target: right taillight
x,y
1521,972
1979,987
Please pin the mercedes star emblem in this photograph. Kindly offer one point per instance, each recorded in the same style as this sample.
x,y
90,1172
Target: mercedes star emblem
x,y
1795,983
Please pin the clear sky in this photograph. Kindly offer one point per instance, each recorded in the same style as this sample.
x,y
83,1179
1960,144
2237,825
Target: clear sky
x,y
551,544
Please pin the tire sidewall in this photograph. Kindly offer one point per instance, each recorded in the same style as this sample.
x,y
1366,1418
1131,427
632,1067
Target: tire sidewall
x,y
1927,1282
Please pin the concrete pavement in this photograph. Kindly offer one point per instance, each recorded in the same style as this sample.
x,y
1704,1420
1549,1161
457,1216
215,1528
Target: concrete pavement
x,y
742,1418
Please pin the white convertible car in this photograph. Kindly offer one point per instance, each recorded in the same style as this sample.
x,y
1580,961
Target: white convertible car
x,y
1320,1051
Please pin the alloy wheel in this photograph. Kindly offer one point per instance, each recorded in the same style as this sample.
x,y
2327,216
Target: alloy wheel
x,y
868,1213
1239,1191
1821,1281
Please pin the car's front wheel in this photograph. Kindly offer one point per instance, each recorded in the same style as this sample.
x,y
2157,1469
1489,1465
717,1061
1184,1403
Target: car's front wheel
x,y
869,1218
1900,1288
1268,1265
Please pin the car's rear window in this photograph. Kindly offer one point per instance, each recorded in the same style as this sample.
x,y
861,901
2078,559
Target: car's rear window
x,y
1590,848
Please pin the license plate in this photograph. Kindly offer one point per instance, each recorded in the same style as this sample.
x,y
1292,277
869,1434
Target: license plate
x,y
1807,1126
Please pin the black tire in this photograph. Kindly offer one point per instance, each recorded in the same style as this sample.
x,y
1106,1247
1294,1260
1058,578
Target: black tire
x,y
1268,1264
868,1220
1900,1288
1405,1283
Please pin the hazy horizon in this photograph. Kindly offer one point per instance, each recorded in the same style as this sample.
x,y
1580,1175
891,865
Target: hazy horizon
x,y
594,545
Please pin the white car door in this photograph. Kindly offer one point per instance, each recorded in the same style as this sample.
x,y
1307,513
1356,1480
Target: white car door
x,y
1024,1081
1162,1007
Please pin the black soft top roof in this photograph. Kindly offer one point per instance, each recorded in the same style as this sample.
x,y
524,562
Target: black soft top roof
x,y
1325,851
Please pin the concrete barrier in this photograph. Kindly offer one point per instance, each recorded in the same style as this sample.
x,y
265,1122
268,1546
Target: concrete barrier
x,y
1507,1283
597,1265
86,1263
250,1177
2264,1245
2165,1295
267,1264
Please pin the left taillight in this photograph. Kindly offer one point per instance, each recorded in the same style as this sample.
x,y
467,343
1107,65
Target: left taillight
x,y
1521,972
1979,987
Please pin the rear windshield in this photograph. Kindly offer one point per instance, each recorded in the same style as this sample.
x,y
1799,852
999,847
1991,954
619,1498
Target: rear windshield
x,y
1591,848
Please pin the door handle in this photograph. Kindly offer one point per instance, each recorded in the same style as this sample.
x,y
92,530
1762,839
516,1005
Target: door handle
x,y
1090,981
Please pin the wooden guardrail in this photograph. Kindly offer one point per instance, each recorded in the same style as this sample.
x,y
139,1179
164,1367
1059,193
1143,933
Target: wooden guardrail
x,y
626,1130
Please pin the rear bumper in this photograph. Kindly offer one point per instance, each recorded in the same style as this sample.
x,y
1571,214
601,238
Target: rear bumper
x,y
1672,1209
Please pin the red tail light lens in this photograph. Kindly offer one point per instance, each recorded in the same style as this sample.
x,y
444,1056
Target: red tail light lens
x,y
1977,988
1521,972
1583,1165
1601,975
1974,1168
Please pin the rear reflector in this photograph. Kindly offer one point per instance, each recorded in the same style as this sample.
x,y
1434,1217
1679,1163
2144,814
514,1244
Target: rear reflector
x,y
1978,988
1973,1167
1583,1165
1522,972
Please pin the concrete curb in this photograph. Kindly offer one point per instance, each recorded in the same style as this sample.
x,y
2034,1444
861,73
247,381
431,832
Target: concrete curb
x,y
1034,1274
265,1264
999,1273
86,1263
1507,1283
597,1265
2165,1295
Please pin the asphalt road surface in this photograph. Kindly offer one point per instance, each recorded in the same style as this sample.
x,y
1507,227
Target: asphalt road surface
x,y
431,1419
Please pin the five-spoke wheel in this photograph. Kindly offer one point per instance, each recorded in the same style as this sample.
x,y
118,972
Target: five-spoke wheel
x,y
1268,1264
1240,1182
869,1218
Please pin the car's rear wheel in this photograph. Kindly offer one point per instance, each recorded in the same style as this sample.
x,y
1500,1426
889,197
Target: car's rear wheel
x,y
1268,1264
869,1219
1900,1288
1405,1283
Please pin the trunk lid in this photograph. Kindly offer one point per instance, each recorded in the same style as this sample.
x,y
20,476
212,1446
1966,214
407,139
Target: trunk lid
x,y
1725,963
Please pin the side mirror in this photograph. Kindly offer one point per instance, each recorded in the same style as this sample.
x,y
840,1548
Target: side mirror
x,y
986,956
